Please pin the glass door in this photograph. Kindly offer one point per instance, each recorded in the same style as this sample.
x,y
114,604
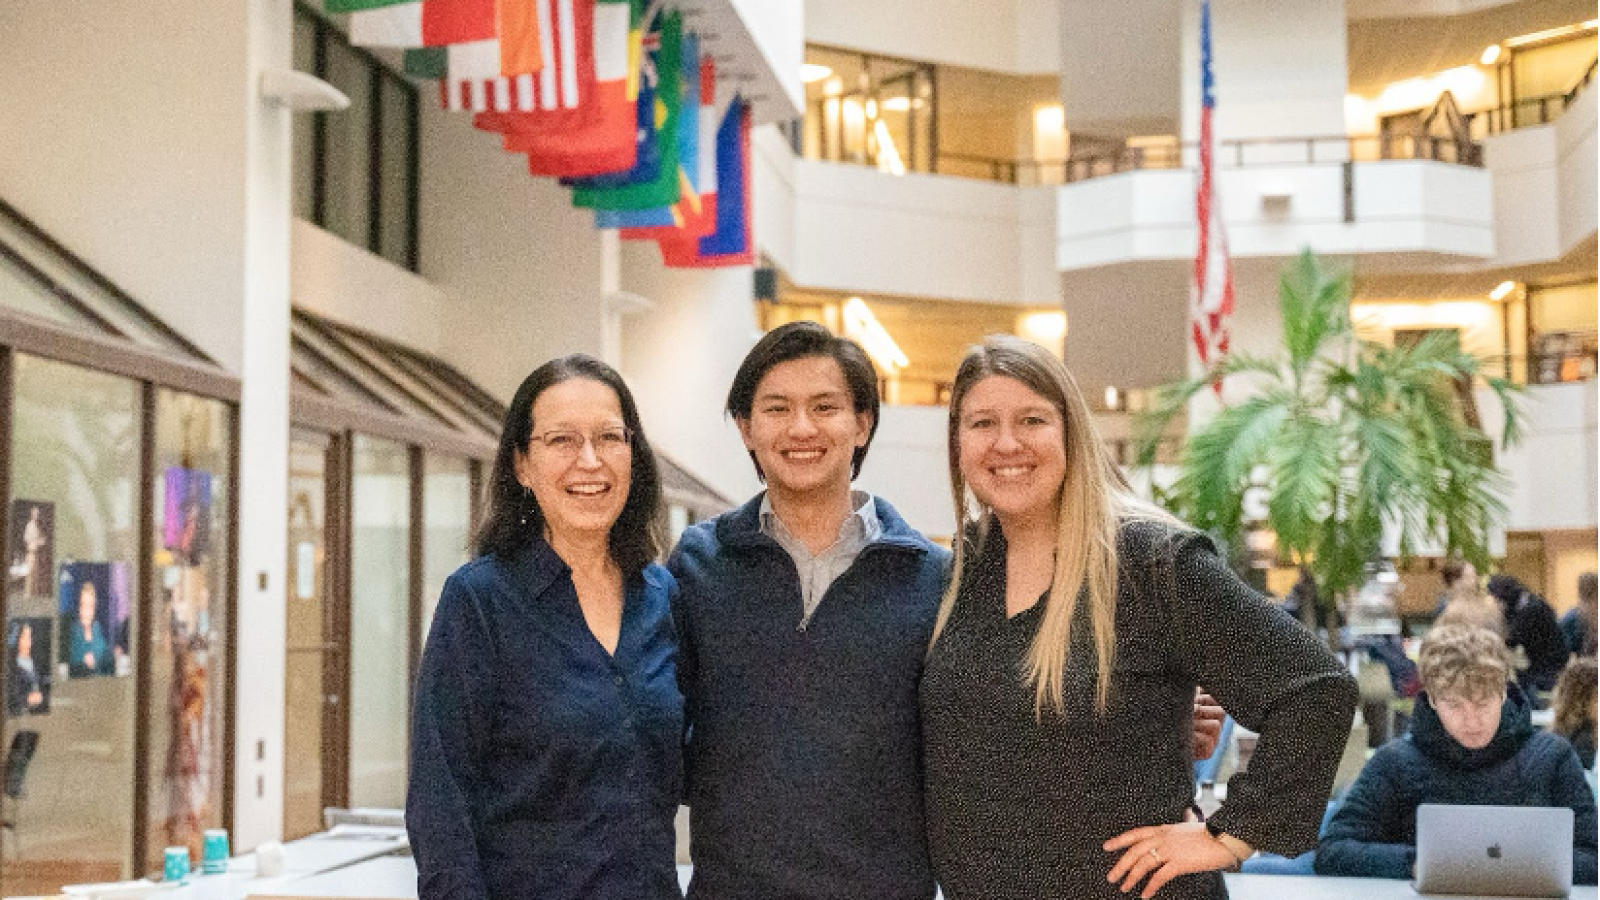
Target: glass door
x,y
313,754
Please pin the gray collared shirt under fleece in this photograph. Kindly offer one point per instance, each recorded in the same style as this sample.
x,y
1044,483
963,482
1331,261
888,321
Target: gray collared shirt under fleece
x,y
819,571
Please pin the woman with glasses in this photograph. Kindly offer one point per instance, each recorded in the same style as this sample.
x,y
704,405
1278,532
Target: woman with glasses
x,y
545,757
1057,693
1472,742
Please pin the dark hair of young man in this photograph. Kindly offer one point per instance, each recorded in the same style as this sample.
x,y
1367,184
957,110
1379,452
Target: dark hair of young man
x,y
1451,571
513,518
803,340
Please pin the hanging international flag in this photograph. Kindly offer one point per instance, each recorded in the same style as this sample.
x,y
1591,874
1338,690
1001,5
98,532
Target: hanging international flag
x,y
344,6
642,188
1211,295
566,43
427,62
699,218
521,37
670,215
730,244
427,23
598,136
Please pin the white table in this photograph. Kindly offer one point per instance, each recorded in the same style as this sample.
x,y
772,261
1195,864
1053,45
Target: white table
x,y
353,863
1311,887
395,878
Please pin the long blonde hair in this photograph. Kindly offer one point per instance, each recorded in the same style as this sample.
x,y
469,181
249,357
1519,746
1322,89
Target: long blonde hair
x,y
1095,498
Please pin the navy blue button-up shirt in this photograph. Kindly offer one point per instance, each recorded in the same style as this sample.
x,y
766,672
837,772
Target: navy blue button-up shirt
x,y
542,766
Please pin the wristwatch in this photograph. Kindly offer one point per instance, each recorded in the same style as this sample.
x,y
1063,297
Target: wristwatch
x,y
1217,834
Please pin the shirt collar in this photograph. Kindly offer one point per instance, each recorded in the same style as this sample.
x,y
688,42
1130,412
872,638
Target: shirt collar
x,y
862,524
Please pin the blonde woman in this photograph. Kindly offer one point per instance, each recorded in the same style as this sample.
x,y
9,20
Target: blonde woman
x,y
1057,692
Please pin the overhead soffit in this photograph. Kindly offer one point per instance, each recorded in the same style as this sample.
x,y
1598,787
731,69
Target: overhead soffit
x,y
1577,266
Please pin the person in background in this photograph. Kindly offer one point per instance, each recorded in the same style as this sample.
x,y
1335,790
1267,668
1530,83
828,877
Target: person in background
x,y
1460,580
1478,610
1463,602
1531,625
1472,741
1301,601
1574,705
1057,690
545,747
1578,626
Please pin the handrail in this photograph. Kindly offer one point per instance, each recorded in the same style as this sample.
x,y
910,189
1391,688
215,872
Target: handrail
x,y
1323,149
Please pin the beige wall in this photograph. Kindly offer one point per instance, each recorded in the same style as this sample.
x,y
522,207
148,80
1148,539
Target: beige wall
x,y
1567,554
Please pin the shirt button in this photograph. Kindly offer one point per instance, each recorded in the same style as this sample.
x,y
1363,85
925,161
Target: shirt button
x,y
618,679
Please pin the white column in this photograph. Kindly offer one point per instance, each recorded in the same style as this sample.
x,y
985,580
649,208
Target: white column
x,y
263,439
682,353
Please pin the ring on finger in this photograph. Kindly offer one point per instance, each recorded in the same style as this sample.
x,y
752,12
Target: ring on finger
x,y
1157,856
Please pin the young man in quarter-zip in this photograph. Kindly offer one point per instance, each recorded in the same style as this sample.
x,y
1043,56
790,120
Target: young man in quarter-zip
x,y
803,618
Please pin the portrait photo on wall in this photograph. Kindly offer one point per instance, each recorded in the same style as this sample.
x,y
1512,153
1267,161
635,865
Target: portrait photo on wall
x,y
28,665
94,618
32,540
186,508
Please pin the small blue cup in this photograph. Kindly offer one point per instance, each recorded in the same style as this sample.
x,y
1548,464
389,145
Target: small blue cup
x,y
214,859
175,865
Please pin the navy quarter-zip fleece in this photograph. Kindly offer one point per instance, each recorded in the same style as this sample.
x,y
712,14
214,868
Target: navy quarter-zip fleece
x,y
804,754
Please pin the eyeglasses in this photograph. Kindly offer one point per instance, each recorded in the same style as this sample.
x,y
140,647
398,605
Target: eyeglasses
x,y
568,444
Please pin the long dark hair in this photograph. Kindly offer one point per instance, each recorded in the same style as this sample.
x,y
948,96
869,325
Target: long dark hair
x,y
514,518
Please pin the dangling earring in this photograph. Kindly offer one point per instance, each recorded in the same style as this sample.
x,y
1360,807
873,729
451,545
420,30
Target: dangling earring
x,y
527,496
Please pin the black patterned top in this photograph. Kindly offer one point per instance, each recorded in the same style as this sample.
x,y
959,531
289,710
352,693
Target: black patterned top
x,y
1019,808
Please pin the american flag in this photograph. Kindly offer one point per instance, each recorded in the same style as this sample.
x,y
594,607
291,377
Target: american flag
x,y
1211,295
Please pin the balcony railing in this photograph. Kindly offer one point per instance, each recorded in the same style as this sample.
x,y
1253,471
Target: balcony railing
x,y
1330,149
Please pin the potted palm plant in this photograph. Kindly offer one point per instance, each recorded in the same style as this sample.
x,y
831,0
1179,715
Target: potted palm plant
x,y
1346,437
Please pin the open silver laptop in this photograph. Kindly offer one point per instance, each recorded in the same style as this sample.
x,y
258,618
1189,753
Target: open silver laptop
x,y
1506,851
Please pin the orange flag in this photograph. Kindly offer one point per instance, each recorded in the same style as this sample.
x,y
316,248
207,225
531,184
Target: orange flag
x,y
518,24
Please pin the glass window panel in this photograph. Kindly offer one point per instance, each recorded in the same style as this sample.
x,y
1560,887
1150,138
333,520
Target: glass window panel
x,y
302,165
348,158
19,290
308,647
189,578
71,276
76,461
370,379
414,390
486,423
379,633
446,512
394,236
333,380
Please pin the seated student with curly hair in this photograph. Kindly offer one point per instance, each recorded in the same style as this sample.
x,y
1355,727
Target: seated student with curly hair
x,y
1574,705
1471,742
